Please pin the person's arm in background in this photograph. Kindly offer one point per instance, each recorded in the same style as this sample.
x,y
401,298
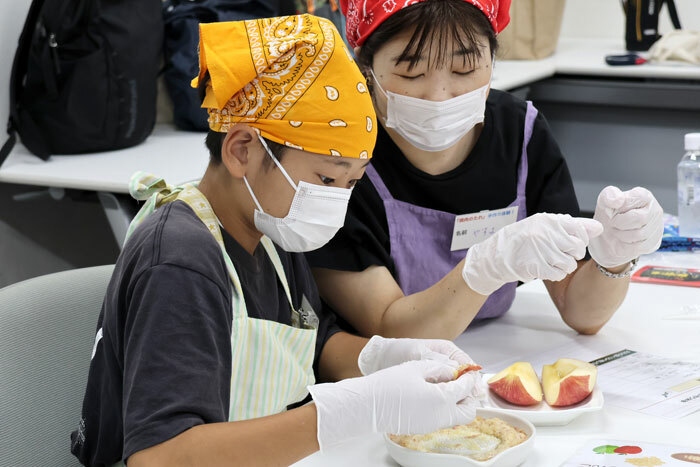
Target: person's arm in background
x,y
373,303
582,309
633,226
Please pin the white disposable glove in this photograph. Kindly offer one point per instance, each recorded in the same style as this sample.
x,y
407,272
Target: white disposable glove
x,y
543,246
633,223
380,353
411,398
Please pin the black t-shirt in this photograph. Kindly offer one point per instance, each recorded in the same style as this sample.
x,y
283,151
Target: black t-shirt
x,y
163,363
487,179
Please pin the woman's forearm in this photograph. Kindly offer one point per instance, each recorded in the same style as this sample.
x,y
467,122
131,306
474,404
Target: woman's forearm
x,y
588,298
339,357
441,311
280,439
373,303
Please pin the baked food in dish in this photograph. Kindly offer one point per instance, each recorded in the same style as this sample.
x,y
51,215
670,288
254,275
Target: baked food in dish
x,y
481,440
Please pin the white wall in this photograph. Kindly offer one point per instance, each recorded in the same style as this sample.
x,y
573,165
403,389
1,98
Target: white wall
x,y
605,19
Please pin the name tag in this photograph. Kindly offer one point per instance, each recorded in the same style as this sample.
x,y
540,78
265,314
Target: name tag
x,y
471,229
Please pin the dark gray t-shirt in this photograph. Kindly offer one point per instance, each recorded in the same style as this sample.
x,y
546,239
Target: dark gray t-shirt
x,y
163,363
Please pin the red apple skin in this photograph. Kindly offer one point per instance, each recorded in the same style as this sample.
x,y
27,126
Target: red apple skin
x,y
512,390
572,389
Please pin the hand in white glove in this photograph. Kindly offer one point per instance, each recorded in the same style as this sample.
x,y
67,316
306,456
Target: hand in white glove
x,y
633,223
414,397
543,246
380,353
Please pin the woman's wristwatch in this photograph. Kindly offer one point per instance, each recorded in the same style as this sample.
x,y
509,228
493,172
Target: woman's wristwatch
x,y
618,275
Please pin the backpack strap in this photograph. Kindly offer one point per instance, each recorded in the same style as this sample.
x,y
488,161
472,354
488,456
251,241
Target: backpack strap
x,y
19,69
10,143
671,4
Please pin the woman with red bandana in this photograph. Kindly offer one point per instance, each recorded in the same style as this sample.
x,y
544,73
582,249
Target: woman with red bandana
x,y
468,192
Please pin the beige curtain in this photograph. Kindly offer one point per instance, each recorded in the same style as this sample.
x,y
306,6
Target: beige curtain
x,y
533,31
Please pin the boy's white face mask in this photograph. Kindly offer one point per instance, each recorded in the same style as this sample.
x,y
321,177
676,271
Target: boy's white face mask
x,y
315,216
430,125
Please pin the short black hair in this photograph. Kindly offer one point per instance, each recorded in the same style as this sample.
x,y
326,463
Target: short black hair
x,y
215,140
441,20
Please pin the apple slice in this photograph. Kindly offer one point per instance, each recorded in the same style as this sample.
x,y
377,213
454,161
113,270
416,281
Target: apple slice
x,y
568,381
518,384
462,369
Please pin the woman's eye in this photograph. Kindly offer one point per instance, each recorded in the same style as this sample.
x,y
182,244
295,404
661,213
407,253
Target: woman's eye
x,y
326,180
463,73
411,77
352,183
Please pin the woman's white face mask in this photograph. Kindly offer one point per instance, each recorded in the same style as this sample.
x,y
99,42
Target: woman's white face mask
x,y
315,216
430,125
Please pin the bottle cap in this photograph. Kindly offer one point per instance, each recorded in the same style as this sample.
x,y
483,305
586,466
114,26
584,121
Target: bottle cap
x,y
692,142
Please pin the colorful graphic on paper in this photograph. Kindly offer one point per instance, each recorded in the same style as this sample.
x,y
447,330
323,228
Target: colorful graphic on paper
x,y
612,449
618,453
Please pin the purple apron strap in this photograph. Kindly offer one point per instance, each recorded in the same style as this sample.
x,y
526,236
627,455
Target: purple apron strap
x,y
530,117
378,183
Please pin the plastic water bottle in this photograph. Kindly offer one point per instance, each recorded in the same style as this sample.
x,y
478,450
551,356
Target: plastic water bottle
x,y
689,188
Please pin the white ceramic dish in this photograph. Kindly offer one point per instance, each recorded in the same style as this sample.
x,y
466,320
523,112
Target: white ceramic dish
x,y
509,458
543,414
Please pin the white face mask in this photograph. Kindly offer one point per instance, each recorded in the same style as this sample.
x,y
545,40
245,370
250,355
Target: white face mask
x,y
315,216
434,126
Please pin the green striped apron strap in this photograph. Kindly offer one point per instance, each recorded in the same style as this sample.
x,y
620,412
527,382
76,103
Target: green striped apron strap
x,y
277,263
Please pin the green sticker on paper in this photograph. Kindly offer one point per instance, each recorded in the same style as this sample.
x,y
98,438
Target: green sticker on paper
x,y
606,449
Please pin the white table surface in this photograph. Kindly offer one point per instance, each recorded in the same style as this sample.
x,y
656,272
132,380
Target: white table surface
x,y
587,57
177,156
533,325
181,156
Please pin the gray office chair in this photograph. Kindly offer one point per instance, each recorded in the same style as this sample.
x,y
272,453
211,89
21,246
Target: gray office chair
x,y
47,329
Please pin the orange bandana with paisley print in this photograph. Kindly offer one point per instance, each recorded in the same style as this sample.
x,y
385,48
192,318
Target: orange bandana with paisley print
x,y
290,77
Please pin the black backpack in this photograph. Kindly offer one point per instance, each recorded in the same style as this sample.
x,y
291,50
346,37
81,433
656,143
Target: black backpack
x,y
84,76
642,22
182,18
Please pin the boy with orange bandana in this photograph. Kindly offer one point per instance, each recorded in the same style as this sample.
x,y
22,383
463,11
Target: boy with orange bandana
x,y
212,334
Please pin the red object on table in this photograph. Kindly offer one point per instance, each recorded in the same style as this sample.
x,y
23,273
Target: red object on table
x,y
668,276
628,450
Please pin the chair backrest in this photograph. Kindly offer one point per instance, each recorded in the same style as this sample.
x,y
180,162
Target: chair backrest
x,y
47,329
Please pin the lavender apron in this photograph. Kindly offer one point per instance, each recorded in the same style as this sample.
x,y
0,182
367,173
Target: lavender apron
x,y
420,238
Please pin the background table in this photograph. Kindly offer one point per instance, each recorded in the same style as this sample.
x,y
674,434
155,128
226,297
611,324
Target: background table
x,y
533,325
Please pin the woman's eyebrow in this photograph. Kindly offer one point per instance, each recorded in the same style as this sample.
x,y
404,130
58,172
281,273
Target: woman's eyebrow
x,y
417,58
407,58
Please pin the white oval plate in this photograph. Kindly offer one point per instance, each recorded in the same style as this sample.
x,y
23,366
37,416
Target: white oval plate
x,y
509,458
543,414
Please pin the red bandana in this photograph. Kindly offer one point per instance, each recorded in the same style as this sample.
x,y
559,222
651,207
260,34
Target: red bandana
x,y
364,16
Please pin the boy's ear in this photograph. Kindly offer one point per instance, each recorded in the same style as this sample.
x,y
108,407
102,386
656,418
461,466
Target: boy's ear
x,y
236,149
